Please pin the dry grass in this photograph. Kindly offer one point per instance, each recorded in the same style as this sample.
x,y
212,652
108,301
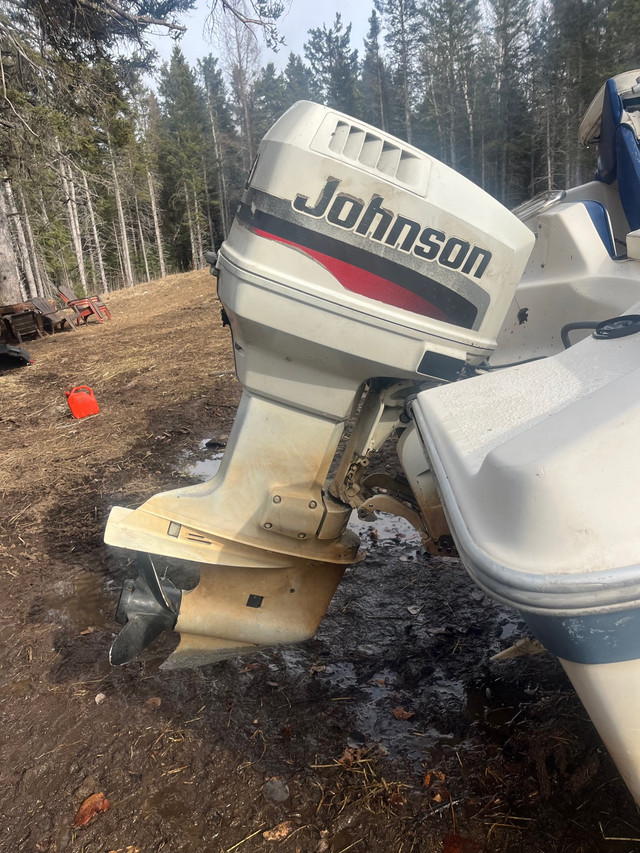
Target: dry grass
x,y
149,367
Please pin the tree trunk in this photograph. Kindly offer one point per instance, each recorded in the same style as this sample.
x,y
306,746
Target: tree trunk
x,y
25,257
76,219
66,279
33,254
199,244
222,184
133,243
50,288
95,284
468,106
117,242
404,64
191,231
212,236
156,225
124,244
453,128
94,231
74,226
383,117
11,289
142,246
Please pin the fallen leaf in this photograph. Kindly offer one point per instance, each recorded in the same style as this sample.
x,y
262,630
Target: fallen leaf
x,y
401,714
153,703
432,776
317,667
93,805
279,832
351,756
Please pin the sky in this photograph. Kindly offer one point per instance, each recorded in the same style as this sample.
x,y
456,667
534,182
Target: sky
x,y
296,21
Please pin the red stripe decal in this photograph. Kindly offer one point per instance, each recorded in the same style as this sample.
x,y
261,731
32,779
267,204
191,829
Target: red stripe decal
x,y
365,283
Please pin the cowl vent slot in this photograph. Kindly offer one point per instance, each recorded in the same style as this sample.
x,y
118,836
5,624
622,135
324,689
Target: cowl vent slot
x,y
348,141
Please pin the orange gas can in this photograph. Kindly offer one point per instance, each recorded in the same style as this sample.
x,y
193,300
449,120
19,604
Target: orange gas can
x,y
82,401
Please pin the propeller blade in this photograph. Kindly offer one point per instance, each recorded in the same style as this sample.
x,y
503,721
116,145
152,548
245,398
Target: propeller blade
x,y
147,574
136,635
147,607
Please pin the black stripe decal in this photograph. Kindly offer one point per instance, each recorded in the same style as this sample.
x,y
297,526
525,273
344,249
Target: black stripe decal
x,y
460,311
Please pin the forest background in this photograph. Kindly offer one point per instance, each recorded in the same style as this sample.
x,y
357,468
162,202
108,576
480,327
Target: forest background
x,y
106,181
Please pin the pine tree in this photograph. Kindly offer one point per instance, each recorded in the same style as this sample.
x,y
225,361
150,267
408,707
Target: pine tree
x,y
269,100
335,66
622,40
576,58
402,23
300,82
182,144
53,57
149,124
506,126
449,64
375,82
226,170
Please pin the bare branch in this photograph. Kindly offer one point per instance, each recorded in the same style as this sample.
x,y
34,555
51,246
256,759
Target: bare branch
x,y
244,19
147,20
251,14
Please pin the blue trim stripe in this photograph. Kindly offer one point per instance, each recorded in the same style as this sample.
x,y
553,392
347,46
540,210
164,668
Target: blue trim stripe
x,y
600,219
593,638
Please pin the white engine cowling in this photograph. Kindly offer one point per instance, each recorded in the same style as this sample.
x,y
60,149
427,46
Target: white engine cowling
x,y
355,253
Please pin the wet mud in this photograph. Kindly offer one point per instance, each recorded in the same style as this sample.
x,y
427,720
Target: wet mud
x,y
391,730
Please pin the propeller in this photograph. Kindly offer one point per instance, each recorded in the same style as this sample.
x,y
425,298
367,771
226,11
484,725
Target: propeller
x,y
147,607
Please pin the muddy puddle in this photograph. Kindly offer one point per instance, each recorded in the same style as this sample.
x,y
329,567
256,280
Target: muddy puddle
x,y
404,667
366,626
203,463
407,671
78,601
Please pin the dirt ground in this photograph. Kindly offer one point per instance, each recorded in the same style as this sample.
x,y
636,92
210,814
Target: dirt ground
x,y
301,743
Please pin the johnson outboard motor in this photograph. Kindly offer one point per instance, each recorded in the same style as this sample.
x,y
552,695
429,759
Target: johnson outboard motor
x,y
358,271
